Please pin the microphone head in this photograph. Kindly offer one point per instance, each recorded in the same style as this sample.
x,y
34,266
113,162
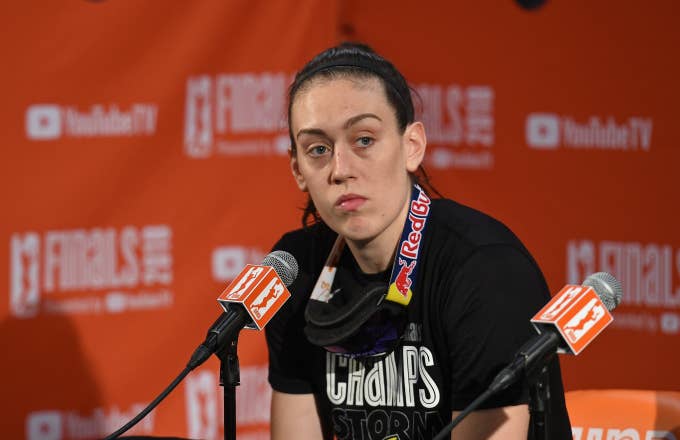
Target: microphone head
x,y
284,264
607,288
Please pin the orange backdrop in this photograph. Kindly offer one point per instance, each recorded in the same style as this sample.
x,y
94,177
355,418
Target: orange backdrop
x,y
144,163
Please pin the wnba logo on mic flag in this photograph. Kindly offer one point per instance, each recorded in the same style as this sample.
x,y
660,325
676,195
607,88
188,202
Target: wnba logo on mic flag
x,y
577,313
260,290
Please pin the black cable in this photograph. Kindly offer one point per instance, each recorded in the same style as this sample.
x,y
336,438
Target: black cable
x,y
471,407
223,330
152,405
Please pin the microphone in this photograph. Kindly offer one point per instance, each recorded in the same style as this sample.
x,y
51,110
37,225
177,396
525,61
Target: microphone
x,y
566,324
250,301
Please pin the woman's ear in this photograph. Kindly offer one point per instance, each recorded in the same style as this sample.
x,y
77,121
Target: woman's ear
x,y
415,142
295,168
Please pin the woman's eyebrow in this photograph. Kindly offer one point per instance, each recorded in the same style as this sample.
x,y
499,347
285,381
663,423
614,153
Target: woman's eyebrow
x,y
312,131
351,121
354,119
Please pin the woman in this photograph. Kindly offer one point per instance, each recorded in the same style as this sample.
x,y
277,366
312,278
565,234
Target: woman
x,y
405,308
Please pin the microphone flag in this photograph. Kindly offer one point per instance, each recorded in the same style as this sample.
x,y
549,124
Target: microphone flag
x,y
259,290
577,313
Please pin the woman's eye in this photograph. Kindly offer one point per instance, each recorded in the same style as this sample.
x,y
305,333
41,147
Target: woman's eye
x,y
318,150
365,141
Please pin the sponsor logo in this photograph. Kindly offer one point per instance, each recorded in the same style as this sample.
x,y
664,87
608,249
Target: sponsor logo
x,y
51,121
43,122
550,131
580,433
129,269
543,130
236,115
400,286
403,281
205,405
72,425
44,425
648,273
227,261
419,210
460,125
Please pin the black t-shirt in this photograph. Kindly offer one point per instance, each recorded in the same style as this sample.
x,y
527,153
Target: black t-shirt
x,y
476,289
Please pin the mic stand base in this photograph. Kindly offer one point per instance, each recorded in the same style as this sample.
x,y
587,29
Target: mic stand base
x,y
230,378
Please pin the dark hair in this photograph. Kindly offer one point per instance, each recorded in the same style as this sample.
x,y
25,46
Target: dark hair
x,y
356,60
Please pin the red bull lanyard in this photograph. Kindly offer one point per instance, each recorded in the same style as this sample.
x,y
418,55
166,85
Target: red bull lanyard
x,y
405,265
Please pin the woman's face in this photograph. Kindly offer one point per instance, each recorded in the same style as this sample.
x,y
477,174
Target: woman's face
x,y
351,157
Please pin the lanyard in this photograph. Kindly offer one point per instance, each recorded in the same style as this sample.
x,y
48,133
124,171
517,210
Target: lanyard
x,y
404,267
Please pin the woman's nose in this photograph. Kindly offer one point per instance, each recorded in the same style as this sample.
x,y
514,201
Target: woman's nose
x,y
342,163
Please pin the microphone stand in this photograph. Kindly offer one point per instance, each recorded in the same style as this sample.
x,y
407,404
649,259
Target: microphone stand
x,y
539,401
230,378
537,379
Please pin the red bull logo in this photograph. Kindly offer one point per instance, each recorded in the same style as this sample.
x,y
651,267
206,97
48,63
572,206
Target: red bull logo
x,y
403,280
404,269
411,240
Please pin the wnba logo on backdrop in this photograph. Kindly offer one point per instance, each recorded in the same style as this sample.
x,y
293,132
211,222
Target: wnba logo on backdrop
x,y
460,125
549,131
205,406
236,114
50,121
45,266
648,273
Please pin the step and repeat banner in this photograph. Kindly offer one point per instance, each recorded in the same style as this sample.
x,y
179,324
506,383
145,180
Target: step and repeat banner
x,y
145,163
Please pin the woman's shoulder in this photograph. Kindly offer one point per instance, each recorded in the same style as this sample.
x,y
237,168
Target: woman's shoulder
x,y
469,225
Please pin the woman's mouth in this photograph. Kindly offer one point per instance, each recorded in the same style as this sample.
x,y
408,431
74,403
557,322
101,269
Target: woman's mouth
x,y
350,202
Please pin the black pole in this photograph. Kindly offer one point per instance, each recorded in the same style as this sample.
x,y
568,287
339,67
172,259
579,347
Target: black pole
x,y
539,403
230,378
536,377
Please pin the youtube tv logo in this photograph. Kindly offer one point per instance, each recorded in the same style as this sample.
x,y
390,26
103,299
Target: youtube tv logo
x,y
47,122
43,122
44,425
542,130
552,131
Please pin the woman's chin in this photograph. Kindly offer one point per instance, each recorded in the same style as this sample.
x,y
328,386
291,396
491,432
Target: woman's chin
x,y
355,229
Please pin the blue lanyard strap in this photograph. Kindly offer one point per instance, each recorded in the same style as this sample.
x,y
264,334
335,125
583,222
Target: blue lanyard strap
x,y
405,266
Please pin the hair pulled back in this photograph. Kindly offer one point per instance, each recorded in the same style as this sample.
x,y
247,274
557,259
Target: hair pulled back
x,y
355,60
